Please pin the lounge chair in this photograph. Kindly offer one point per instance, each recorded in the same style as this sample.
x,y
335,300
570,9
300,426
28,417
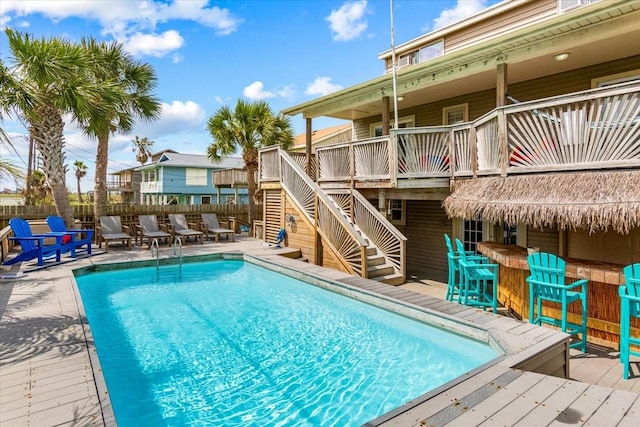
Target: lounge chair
x,y
149,228
111,230
180,227
80,237
210,225
33,245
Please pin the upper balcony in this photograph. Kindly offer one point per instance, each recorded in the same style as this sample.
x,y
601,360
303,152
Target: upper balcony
x,y
595,129
230,178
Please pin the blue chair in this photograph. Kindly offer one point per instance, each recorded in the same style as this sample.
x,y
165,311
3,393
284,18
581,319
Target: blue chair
x,y
629,308
454,279
33,246
79,237
547,283
479,284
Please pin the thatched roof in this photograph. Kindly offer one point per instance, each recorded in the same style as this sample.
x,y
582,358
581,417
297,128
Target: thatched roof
x,y
597,200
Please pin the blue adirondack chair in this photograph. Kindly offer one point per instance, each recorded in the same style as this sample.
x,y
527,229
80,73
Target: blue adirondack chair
x,y
33,245
547,283
79,237
454,279
629,308
479,285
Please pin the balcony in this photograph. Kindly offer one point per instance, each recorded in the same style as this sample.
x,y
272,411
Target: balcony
x,y
119,186
150,186
230,178
595,129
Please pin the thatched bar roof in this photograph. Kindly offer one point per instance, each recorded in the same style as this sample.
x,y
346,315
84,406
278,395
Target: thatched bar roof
x,y
597,200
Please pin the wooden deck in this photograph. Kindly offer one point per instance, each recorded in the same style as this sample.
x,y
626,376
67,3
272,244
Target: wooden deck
x,y
47,376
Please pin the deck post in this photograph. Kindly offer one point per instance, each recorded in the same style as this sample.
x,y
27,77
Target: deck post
x,y
503,154
308,143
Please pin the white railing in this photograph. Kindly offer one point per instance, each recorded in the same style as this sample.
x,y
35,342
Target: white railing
x,y
372,159
334,163
150,186
423,151
378,230
598,128
320,211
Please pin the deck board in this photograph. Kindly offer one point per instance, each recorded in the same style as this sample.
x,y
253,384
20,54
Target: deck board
x,y
614,410
583,407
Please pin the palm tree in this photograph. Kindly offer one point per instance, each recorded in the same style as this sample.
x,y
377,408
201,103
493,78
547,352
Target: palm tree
x,y
251,126
8,170
50,78
80,170
144,149
135,82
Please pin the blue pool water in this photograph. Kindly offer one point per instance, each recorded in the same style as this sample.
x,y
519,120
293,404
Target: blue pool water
x,y
228,343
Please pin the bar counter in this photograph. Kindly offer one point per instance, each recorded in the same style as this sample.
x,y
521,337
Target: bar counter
x,y
603,301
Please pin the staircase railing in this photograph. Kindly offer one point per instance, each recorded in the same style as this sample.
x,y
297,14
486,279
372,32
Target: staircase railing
x,y
389,241
321,212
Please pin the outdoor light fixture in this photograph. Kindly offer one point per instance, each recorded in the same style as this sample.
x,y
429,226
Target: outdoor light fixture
x,y
561,56
400,98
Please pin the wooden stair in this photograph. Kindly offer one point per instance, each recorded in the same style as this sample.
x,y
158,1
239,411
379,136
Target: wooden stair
x,y
380,270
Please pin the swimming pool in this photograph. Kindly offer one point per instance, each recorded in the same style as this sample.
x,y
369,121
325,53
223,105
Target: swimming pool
x,y
230,343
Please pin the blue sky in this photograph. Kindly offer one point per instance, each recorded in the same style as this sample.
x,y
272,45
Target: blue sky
x,y
211,53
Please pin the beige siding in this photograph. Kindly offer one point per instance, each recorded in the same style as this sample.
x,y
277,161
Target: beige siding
x,y
426,251
604,246
526,14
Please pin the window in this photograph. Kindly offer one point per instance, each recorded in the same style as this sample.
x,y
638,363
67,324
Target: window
x,y
205,200
375,129
432,51
196,176
455,114
472,233
396,211
567,5
230,200
615,79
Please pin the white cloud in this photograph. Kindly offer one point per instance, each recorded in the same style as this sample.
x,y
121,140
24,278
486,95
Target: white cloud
x,y
157,45
462,9
124,19
175,118
322,86
255,91
348,22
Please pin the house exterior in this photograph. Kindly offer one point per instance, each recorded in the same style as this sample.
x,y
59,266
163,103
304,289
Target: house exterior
x,y
175,178
126,182
517,127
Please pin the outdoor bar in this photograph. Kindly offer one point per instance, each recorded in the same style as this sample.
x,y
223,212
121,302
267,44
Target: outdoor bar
x,y
603,302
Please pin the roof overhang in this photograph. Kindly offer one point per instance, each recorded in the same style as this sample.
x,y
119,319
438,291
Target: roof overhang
x,y
595,34
596,201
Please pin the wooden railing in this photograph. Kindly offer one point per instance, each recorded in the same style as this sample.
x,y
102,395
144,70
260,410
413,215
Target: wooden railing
x,y
322,215
594,129
387,238
301,160
232,177
269,164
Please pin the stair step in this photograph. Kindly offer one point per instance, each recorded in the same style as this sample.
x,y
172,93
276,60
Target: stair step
x,y
379,270
303,259
375,260
390,279
371,250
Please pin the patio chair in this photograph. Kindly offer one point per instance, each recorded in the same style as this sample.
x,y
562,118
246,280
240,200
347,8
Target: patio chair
x,y
629,309
180,227
547,283
33,245
454,278
479,284
149,228
210,225
80,237
111,230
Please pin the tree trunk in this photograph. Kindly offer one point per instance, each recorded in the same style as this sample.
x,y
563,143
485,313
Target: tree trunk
x,y
79,192
100,200
251,184
49,138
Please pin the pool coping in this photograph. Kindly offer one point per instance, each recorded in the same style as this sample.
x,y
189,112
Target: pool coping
x,y
522,345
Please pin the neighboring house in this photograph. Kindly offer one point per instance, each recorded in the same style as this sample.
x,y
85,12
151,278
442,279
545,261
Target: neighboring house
x,y
326,136
507,123
126,182
174,178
